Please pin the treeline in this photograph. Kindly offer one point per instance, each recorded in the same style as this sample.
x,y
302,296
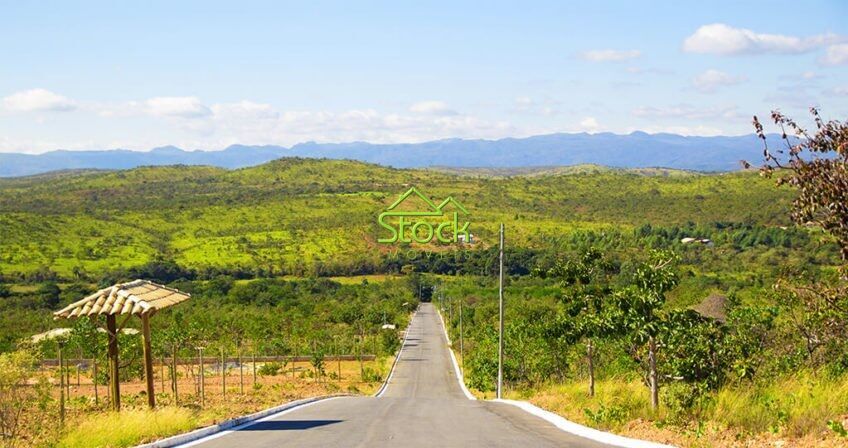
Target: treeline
x,y
592,315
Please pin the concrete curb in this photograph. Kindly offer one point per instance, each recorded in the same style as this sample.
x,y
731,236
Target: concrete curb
x,y
382,388
556,420
460,378
235,424
189,438
580,430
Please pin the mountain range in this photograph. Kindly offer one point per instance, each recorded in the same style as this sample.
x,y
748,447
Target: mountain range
x,y
634,150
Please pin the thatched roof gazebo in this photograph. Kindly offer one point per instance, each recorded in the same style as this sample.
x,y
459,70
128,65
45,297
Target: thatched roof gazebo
x,y
139,298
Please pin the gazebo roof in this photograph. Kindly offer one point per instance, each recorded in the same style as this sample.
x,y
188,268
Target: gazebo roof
x,y
136,297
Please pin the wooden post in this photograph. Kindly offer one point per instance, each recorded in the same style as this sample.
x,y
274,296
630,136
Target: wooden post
x,y
339,358
202,379
361,366
148,359
254,369
241,372
223,373
61,386
294,360
114,366
79,365
94,380
162,364
174,374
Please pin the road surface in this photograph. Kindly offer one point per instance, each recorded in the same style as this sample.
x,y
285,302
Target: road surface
x,y
423,406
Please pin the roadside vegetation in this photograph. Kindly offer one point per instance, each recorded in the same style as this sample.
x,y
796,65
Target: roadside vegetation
x,y
704,310
672,341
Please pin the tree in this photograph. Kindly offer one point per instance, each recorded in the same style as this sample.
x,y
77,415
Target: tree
x,y
585,293
640,307
816,164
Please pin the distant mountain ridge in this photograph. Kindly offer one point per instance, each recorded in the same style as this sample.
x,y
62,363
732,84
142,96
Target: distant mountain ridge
x,y
635,150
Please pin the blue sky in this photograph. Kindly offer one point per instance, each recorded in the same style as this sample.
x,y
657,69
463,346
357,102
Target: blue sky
x,y
204,75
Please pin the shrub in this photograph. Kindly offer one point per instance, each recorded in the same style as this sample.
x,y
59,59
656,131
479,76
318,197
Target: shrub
x,y
270,369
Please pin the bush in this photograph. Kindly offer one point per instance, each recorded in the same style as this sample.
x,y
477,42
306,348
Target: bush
x,y
270,369
370,375
20,405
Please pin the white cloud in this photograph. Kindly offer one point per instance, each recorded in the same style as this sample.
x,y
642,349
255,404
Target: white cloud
x,y
841,91
527,105
722,39
835,55
36,100
711,80
688,112
432,108
610,55
177,106
589,124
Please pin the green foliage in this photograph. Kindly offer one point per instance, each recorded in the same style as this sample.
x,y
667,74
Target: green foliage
x,y
606,417
19,404
270,369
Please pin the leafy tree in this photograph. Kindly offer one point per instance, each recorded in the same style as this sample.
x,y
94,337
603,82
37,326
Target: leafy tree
x,y
815,164
585,294
640,310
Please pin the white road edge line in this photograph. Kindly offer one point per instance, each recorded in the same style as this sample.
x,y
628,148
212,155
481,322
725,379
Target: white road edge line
x,y
583,431
459,377
556,420
208,433
385,385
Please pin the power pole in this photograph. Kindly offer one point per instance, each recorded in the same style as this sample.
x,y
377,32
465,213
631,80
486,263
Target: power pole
x,y
461,351
500,316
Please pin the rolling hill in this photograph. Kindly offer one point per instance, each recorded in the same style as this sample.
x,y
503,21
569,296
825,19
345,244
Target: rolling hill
x,y
298,215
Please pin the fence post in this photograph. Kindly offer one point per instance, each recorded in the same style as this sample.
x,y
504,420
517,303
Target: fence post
x,y
223,373
202,379
61,386
94,380
241,372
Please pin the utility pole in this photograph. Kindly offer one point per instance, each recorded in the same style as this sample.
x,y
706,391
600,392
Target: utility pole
x,y
501,316
461,351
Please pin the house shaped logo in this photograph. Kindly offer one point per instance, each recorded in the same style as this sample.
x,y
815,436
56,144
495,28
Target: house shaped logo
x,y
422,224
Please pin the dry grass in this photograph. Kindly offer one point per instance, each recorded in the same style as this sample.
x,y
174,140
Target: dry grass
x,y
128,428
92,425
790,412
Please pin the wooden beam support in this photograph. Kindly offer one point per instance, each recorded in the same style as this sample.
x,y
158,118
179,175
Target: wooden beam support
x,y
148,359
114,366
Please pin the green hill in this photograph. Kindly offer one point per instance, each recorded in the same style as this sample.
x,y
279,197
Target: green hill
x,y
289,215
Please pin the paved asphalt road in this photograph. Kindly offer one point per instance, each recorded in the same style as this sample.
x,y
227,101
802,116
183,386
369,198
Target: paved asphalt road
x,y
423,406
